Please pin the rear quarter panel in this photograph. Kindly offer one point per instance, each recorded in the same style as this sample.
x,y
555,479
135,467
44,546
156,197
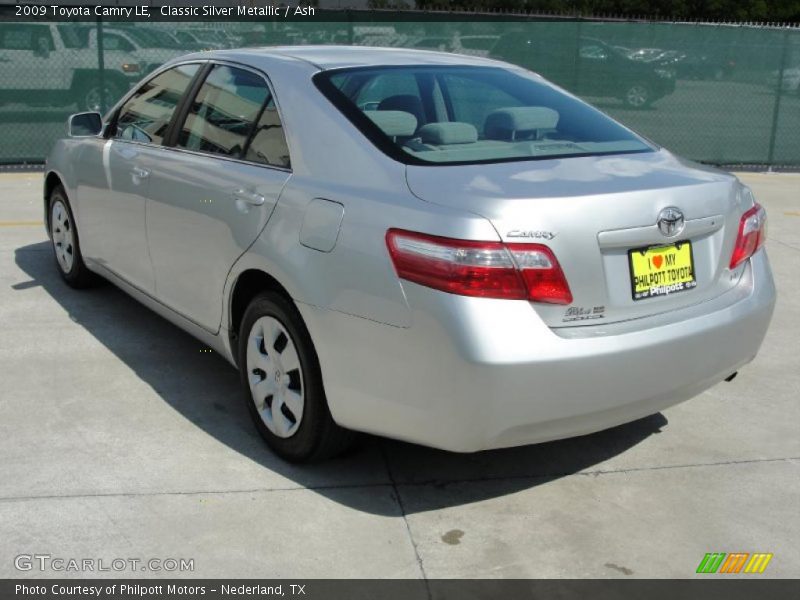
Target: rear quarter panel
x,y
333,161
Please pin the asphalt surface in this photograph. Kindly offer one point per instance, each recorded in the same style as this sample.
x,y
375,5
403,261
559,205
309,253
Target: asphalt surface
x,y
121,438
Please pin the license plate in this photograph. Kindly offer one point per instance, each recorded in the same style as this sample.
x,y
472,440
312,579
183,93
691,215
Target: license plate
x,y
661,270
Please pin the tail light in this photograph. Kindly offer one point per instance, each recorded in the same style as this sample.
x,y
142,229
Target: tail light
x,y
484,269
752,235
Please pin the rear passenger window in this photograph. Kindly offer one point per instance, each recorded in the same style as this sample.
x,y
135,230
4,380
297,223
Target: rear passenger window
x,y
473,101
222,114
268,145
146,116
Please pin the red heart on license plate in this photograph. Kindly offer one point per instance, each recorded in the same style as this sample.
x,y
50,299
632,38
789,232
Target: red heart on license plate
x,y
658,260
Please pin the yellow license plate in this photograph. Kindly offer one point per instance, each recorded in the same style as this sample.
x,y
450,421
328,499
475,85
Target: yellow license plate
x,y
661,270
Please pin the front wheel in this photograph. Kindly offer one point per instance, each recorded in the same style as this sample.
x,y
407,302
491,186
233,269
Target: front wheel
x,y
66,245
282,381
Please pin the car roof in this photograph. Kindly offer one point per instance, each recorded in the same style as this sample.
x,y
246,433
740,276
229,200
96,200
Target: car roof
x,y
335,57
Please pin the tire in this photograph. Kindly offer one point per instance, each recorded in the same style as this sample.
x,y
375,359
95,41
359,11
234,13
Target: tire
x,y
91,99
637,95
66,243
283,389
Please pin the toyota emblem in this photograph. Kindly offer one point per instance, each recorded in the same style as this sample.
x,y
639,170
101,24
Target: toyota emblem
x,y
670,221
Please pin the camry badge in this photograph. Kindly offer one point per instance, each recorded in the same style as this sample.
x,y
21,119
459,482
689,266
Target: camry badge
x,y
670,221
519,233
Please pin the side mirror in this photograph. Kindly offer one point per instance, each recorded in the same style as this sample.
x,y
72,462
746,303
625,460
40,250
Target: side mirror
x,y
85,124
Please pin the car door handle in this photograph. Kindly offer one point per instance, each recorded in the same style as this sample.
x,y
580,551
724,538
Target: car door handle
x,y
140,173
253,198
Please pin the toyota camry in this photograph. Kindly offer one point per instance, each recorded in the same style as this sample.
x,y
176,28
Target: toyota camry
x,y
442,249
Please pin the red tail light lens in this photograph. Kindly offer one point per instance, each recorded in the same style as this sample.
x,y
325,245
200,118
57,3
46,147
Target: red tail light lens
x,y
752,235
485,269
542,274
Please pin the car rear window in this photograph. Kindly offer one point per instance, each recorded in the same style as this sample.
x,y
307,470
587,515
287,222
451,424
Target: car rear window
x,y
466,115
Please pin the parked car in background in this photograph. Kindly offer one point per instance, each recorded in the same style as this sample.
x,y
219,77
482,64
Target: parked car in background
x,y
441,43
229,38
705,67
669,59
143,47
789,82
588,67
193,38
475,45
50,65
504,267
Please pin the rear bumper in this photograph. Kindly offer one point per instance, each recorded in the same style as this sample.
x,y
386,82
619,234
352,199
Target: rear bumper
x,y
472,374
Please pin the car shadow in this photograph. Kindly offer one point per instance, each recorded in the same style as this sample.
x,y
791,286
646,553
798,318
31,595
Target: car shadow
x,y
162,355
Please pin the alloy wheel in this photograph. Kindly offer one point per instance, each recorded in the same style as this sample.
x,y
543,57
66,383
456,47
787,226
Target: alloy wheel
x,y
636,96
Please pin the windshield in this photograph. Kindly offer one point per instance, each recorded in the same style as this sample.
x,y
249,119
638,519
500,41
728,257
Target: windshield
x,y
464,115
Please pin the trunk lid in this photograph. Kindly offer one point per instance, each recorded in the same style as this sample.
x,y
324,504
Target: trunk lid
x,y
591,211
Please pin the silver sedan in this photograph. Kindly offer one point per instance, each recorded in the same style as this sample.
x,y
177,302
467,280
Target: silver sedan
x,y
442,249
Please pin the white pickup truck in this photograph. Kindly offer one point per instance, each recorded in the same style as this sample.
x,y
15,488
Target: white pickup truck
x,y
56,64
147,47
50,65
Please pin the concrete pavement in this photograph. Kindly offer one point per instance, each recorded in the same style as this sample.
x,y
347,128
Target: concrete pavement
x,y
121,438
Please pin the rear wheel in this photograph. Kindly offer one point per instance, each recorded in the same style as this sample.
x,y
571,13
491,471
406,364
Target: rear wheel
x,y
637,96
282,381
96,98
66,245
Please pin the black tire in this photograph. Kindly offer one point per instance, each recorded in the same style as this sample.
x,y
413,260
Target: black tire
x,y
317,437
76,275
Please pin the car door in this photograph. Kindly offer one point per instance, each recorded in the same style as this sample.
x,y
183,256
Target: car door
x,y
214,192
114,176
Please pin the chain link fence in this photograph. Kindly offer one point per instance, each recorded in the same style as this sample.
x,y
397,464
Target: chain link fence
x,y
723,94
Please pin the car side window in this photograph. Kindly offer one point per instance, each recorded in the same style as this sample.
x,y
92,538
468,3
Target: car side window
x,y
222,115
146,115
268,143
116,42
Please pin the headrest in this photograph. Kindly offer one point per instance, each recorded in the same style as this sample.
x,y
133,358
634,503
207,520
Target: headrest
x,y
502,122
443,134
406,102
393,122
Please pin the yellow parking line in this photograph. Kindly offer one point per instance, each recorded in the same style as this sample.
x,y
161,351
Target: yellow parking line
x,y
25,175
21,223
792,213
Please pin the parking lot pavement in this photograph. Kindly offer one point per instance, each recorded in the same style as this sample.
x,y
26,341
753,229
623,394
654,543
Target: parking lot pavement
x,y
121,438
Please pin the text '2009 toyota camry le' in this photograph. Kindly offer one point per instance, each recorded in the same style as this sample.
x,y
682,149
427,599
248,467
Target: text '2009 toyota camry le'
x,y
436,248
